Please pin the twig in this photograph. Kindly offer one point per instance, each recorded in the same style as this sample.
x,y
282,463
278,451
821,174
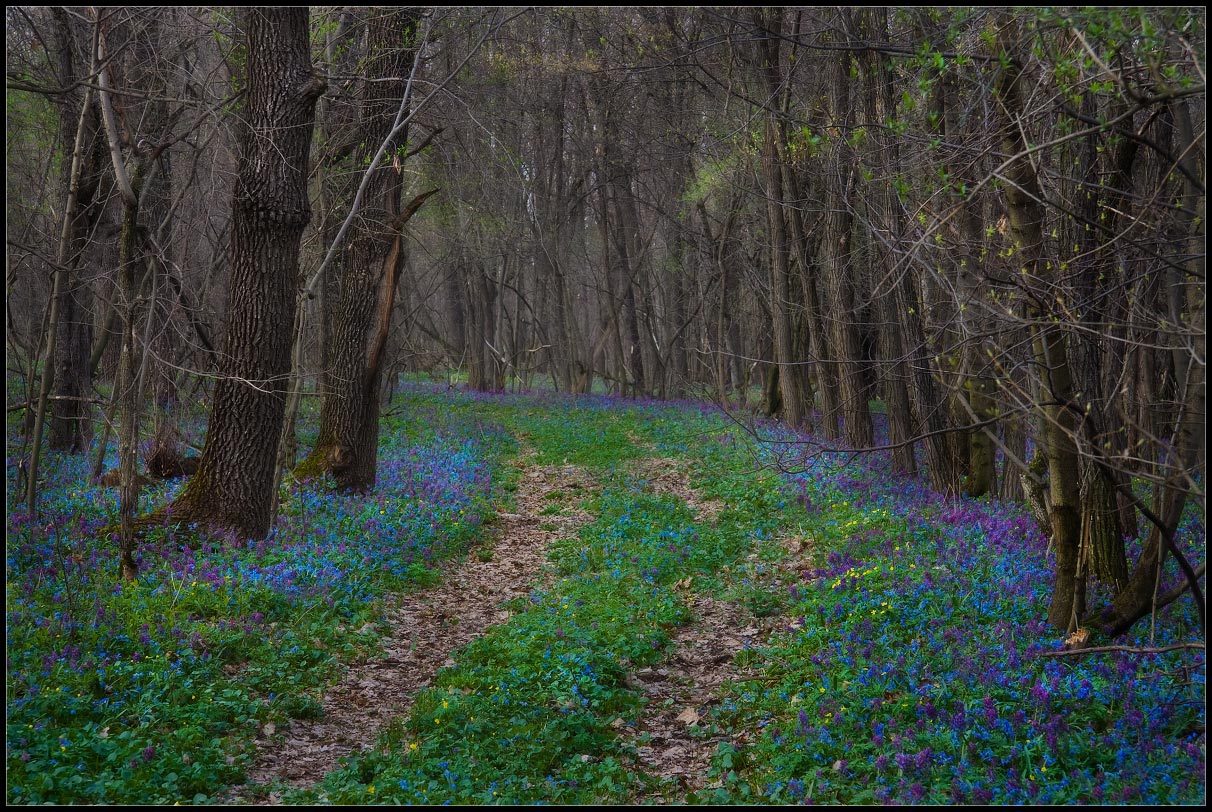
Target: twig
x,y
1129,649
31,404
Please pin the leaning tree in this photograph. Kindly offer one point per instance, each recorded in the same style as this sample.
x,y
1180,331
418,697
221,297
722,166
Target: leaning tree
x,y
348,443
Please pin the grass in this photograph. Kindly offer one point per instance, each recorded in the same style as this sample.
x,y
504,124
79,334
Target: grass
x,y
152,692
531,712
908,666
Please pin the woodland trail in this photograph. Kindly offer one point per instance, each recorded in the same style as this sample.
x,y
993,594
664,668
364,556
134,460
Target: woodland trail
x,y
671,745
675,749
426,628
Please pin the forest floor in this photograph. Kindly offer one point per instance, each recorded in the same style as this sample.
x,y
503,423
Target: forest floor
x,y
583,601
423,629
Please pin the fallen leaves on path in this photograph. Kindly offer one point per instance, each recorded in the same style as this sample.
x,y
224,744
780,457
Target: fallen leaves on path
x,y
426,628
671,744
678,748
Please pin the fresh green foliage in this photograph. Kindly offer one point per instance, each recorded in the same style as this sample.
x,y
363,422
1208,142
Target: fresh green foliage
x,y
151,692
908,668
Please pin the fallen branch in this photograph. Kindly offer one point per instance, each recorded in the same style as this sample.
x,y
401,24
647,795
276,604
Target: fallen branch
x,y
1129,649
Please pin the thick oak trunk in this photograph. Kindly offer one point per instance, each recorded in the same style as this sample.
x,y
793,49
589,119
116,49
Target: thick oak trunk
x,y
232,488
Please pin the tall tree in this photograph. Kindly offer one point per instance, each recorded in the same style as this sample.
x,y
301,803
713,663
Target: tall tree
x,y
71,426
841,274
232,489
348,443
1024,205
883,160
795,405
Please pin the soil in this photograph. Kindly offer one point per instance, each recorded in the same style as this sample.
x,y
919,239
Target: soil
x,y
673,743
426,628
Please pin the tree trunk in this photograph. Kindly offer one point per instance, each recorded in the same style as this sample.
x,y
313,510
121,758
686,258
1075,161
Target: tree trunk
x,y
970,284
453,288
719,261
1185,456
633,264
1102,534
336,117
485,372
885,219
70,425
127,388
1102,538
819,341
232,488
348,440
62,255
1014,436
930,418
836,247
794,411
1025,210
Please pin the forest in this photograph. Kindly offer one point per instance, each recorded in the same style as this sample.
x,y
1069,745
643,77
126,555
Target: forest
x,y
603,405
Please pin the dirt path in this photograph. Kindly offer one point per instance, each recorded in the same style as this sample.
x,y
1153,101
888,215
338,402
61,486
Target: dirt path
x,y
670,743
669,476
681,690
427,627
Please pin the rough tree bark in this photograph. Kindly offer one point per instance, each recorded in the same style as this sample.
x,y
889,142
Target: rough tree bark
x,y
884,156
348,442
718,251
232,489
963,158
1102,534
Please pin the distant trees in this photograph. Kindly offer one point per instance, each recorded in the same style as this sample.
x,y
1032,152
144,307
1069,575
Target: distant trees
x,y
971,239
943,209
66,330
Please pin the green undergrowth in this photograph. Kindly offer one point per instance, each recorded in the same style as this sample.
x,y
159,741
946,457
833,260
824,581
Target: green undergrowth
x,y
908,667
913,668
534,711
153,691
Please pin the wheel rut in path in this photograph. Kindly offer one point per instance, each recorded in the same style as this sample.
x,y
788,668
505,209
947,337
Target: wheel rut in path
x,y
671,740
702,656
426,628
